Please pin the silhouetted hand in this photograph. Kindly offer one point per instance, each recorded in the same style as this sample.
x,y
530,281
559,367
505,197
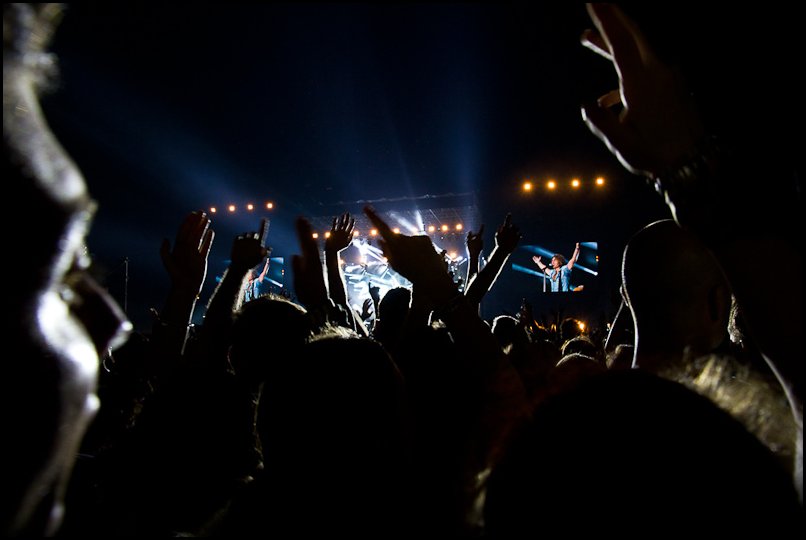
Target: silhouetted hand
x,y
375,293
658,125
309,280
187,262
341,233
249,249
415,258
366,308
507,236
475,243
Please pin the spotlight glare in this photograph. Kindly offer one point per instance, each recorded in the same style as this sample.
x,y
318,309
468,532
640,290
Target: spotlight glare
x,y
396,230
582,326
315,235
600,181
444,228
527,186
213,209
231,208
575,183
250,207
551,184
452,255
373,232
327,234
458,226
431,228
355,233
269,205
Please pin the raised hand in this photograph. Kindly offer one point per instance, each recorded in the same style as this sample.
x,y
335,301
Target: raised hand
x,y
475,243
507,236
506,239
657,125
309,280
249,248
341,233
186,263
474,246
415,258
367,308
375,294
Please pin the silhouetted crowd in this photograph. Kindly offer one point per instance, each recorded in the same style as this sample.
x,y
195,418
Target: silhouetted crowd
x,y
414,417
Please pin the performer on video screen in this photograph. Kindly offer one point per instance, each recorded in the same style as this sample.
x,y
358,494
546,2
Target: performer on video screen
x,y
560,271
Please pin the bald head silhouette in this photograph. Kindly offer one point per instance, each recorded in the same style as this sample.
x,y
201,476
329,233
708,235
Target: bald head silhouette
x,y
676,292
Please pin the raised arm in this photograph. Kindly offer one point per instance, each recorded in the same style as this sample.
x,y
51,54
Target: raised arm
x,y
539,262
186,265
709,188
341,234
573,258
248,250
506,240
475,244
265,270
309,284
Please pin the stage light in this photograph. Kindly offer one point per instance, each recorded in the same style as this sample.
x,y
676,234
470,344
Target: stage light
x,y
315,235
575,183
600,181
527,186
355,232
373,232
327,234
250,207
431,228
551,184
269,206
458,226
396,230
213,209
231,208
444,228
452,255
581,326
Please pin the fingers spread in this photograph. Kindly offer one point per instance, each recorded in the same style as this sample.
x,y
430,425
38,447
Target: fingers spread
x,y
617,35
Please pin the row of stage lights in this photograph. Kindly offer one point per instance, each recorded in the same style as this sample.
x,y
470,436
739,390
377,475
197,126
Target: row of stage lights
x,y
373,232
431,229
249,208
551,185
527,186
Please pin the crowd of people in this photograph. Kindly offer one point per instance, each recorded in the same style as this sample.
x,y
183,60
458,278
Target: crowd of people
x,y
430,421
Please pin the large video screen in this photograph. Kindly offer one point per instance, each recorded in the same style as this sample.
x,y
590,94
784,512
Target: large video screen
x,y
554,268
